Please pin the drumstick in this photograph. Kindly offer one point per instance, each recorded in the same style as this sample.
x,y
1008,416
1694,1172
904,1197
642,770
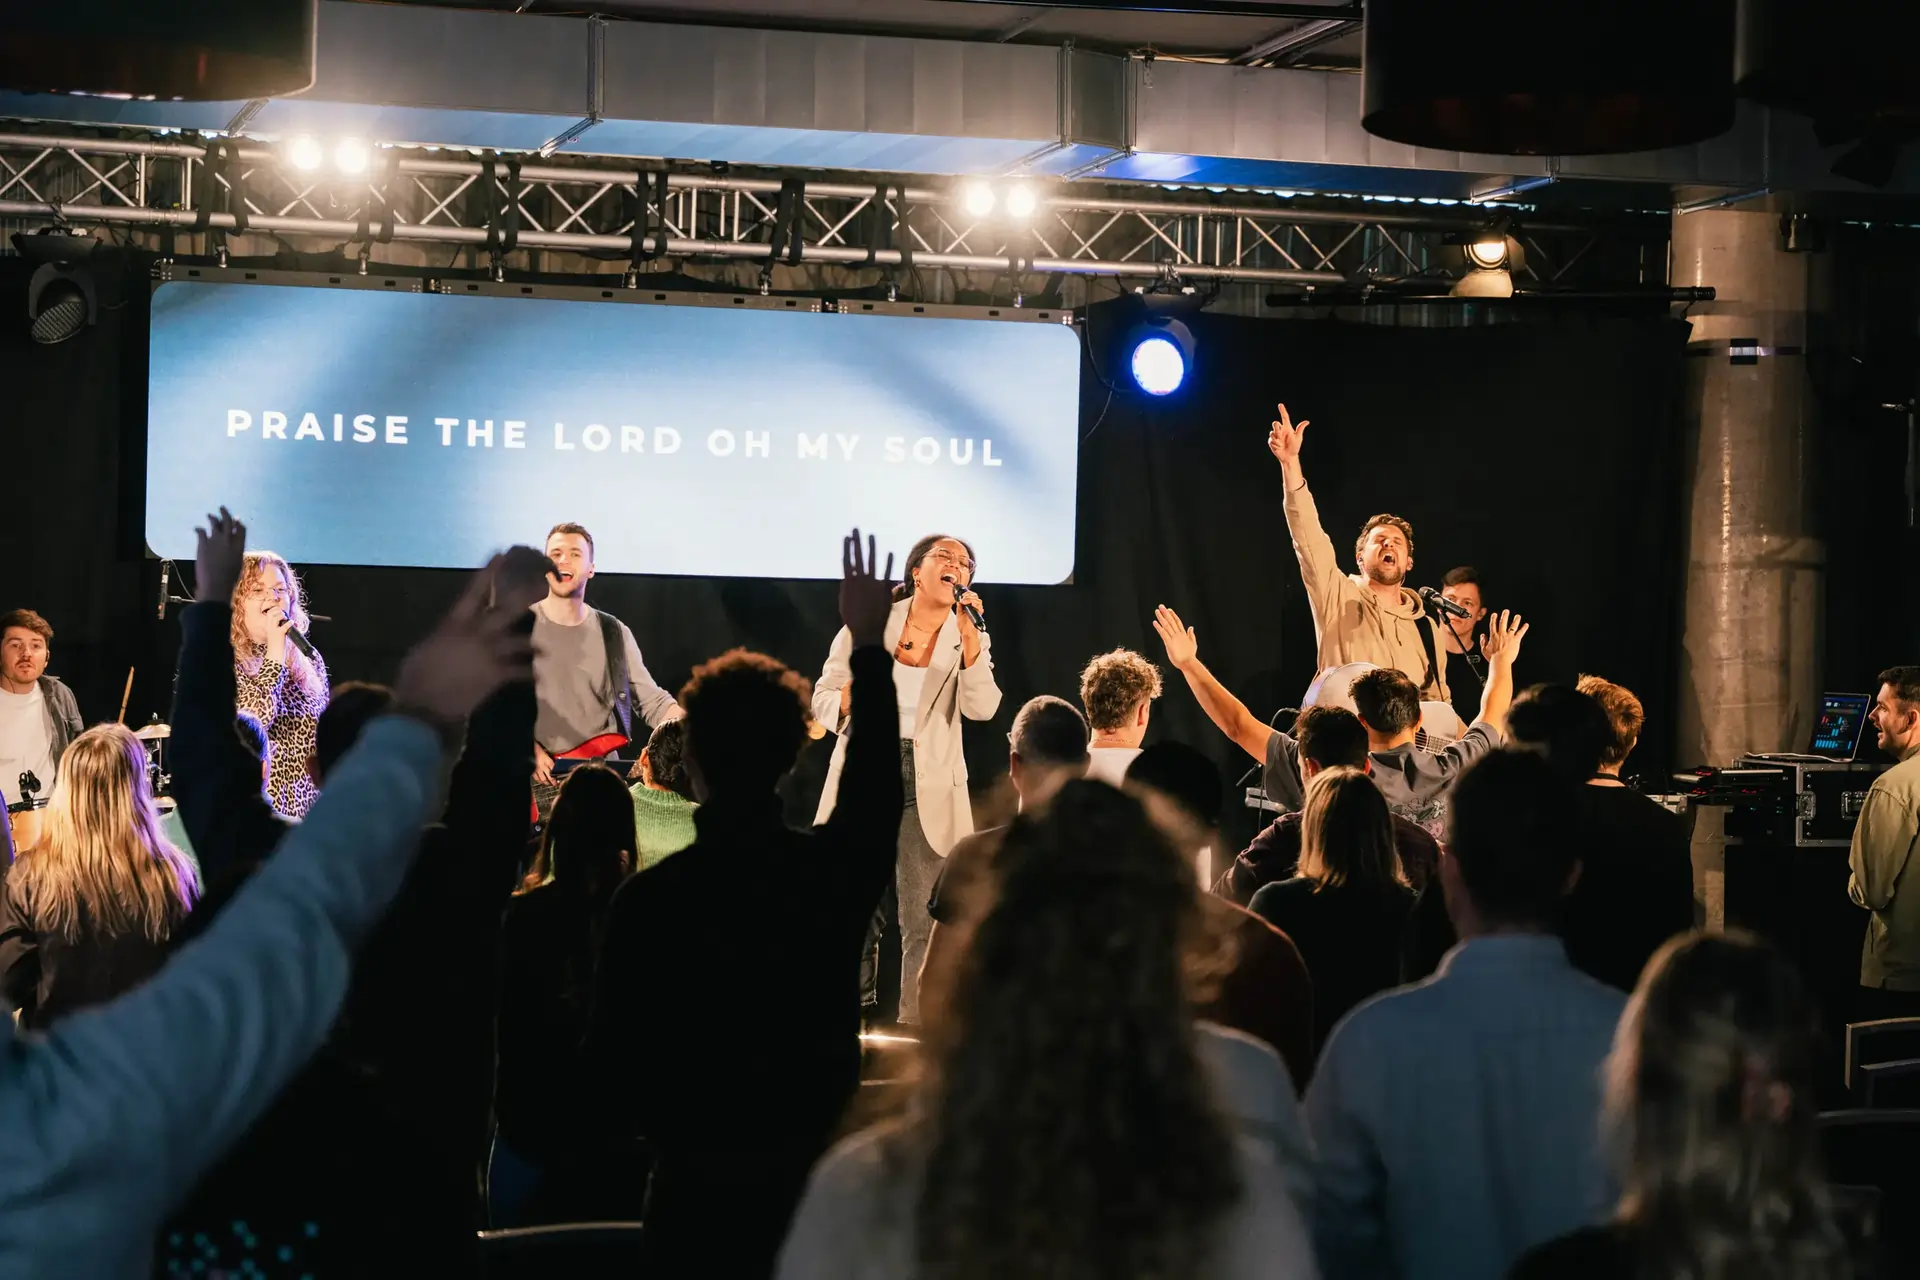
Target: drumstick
x,y
127,693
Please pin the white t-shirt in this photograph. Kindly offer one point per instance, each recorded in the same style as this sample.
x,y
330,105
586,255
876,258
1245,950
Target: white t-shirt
x,y
908,682
23,743
1110,764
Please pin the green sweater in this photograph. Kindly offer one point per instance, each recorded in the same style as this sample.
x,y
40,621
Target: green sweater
x,y
663,822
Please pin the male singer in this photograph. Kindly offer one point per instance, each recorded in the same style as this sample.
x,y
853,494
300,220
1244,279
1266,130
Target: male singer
x,y
588,677
1370,616
38,715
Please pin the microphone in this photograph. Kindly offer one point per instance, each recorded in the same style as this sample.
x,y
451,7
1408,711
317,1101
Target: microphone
x,y
297,639
1437,601
972,613
166,576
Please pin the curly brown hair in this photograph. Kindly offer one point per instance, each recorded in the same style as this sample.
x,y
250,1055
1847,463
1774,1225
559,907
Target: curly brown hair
x,y
1067,1125
1392,522
1113,686
747,716
1625,716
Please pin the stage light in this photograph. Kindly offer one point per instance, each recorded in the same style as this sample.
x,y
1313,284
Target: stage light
x,y
352,155
1158,367
977,199
1488,253
61,299
1021,202
304,153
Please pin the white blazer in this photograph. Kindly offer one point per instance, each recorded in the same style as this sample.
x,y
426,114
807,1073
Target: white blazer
x,y
950,693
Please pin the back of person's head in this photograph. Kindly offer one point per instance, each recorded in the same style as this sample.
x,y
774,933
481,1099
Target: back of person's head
x,y
1346,833
1625,717
747,718
102,864
252,734
1387,700
1184,775
1331,737
1069,1128
1564,725
353,706
1114,686
1712,1101
667,758
590,837
1049,733
1509,824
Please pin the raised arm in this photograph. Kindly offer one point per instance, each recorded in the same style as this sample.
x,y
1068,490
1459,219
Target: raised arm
x,y
1319,567
867,813
1505,631
654,704
1228,713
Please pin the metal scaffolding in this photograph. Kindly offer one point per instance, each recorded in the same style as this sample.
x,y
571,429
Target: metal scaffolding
x,y
507,205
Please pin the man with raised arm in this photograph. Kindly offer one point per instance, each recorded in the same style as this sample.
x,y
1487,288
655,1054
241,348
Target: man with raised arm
x,y
1369,616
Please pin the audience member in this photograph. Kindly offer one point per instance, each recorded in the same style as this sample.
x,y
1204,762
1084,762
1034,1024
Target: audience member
x,y
1625,718
1884,842
38,714
1414,778
1710,1098
1326,737
662,795
1118,690
1046,749
87,912
549,1164
1069,1125
1261,987
1276,752
736,1117
281,685
111,1114
381,1141
1457,1121
1636,870
1348,908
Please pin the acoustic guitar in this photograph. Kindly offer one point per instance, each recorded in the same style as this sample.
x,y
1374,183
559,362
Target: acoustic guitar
x,y
1439,724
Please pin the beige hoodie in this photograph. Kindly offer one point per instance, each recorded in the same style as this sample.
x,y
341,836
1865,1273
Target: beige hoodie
x,y
1349,621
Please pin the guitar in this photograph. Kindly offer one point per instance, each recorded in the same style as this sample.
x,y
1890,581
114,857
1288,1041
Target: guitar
x,y
1439,723
590,751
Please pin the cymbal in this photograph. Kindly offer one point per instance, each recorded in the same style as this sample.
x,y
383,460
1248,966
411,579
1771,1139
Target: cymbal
x,y
151,732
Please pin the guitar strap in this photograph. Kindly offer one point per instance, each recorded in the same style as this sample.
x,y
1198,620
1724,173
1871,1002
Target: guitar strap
x,y
1433,662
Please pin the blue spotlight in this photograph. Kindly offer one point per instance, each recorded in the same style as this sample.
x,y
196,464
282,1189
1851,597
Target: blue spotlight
x,y
1158,366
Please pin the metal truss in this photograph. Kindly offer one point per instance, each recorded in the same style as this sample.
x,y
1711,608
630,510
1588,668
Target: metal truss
x,y
502,206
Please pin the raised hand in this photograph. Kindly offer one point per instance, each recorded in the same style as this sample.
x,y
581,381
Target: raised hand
x,y
1183,646
522,580
220,554
866,598
1284,440
1505,631
473,651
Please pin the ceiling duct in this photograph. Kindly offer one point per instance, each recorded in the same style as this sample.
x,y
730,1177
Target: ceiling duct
x,y
1568,79
191,50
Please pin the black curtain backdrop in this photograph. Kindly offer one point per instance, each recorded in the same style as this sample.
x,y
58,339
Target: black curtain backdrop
x,y
1547,454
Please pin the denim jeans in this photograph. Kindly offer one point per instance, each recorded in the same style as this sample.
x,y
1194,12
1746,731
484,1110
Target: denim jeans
x,y
916,868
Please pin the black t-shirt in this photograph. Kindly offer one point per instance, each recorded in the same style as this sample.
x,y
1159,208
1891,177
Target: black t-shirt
x,y
1636,884
1353,940
1463,685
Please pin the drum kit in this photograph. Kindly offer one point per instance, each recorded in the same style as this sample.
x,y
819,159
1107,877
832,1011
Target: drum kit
x,y
28,816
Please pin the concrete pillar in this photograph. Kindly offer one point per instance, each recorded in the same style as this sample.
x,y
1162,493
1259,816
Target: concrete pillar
x,y
1751,650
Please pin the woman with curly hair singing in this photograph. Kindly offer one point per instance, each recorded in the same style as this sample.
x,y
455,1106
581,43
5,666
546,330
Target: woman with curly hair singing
x,y
279,684
1071,1124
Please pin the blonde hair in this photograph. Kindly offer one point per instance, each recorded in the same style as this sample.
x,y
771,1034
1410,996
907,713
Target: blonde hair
x,y
252,572
1710,1100
1625,716
102,863
1346,833
1113,685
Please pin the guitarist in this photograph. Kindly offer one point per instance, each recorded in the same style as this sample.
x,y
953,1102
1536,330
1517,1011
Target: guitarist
x,y
1370,616
588,677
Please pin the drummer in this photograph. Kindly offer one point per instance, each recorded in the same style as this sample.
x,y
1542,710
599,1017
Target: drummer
x,y
38,714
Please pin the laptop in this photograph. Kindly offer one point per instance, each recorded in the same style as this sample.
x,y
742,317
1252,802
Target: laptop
x,y
1840,726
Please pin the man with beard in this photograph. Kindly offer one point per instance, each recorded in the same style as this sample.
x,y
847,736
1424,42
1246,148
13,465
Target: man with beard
x,y
1369,616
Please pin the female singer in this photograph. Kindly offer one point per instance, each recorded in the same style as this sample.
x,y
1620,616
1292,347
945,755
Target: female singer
x,y
943,670
283,688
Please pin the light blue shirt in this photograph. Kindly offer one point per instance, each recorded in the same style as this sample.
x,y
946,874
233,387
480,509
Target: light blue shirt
x,y
110,1117
1457,1121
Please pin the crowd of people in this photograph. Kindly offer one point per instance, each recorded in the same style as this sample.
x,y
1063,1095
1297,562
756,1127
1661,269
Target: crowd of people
x,y
1448,1016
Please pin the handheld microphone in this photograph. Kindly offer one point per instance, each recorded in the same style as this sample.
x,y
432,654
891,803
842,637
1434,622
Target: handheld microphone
x,y
972,613
1437,601
297,639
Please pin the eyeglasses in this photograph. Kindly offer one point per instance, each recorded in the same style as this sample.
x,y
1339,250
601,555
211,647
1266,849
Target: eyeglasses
x,y
269,593
946,557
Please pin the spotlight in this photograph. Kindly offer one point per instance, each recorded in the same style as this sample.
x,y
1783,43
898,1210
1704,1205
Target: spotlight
x,y
1488,253
977,199
61,300
1021,202
1158,367
352,155
304,153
